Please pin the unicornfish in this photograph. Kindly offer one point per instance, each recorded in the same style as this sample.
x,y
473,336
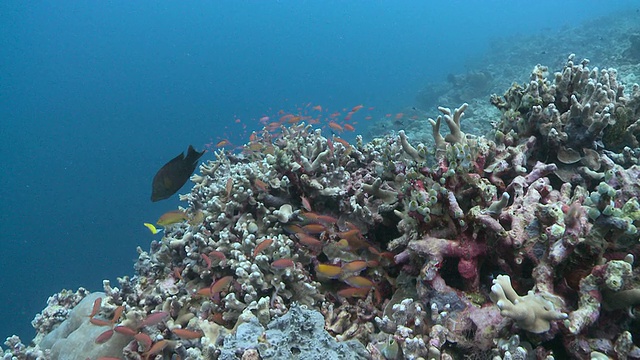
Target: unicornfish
x,y
170,178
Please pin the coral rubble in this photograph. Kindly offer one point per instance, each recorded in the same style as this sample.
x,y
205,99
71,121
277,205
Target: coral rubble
x,y
410,251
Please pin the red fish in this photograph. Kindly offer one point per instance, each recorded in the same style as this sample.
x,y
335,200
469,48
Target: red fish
x,y
335,126
221,284
96,307
353,292
354,266
187,334
104,337
309,241
154,318
207,260
282,263
124,330
313,229
263,245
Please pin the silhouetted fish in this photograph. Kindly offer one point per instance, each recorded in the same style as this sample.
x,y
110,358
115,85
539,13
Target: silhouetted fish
x,y
170,178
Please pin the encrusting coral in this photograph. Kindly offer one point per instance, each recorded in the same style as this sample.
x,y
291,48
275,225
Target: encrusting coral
x,y
415,252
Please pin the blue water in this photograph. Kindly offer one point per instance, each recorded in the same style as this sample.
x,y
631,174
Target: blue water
x,y
96,96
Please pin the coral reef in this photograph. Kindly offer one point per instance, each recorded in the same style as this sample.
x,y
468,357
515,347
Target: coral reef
x,y
409,250
299,334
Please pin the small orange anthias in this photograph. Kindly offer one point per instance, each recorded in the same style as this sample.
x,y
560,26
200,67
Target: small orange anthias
x,y
147,348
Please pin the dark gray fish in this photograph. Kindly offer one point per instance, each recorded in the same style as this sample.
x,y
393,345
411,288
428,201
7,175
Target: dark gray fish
x,y
170,178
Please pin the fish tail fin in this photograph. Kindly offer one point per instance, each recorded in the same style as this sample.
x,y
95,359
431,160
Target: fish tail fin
x,y
193,155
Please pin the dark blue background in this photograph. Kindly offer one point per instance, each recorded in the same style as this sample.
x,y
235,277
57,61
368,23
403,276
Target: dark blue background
x,y
96,96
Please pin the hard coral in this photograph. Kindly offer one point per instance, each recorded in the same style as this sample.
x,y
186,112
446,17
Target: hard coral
x,y
531,312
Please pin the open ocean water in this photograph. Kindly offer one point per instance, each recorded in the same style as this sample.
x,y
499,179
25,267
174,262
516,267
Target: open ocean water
x,y
96,96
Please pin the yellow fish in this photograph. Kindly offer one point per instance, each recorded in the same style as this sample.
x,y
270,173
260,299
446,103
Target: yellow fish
x,y
172,217
152,228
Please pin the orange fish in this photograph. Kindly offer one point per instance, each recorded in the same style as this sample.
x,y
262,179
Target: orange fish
x,y
156,348
344,142
353,292
354,238
124,330
172,217
313,229
348,127
399,116
204,291
221,284
223,143
207,260
319,218
354,266
292,229
261,185
285,118
187,334
263,245
359,282
282,263
116,314
328,271
335,126
309,241
357,107
154,318
96,307
317,108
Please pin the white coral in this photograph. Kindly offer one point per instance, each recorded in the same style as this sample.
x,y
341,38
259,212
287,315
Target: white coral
x,y
531,312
